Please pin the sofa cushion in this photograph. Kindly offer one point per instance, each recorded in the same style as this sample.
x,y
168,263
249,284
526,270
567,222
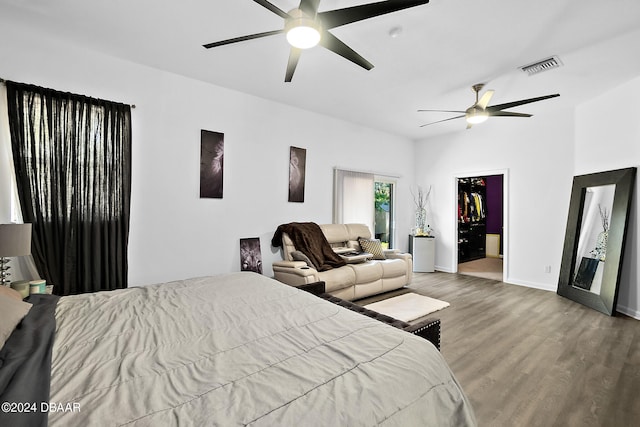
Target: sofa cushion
x,y
372,246
391,283
354,231
335,233
393,268
362,290
338,278
367,271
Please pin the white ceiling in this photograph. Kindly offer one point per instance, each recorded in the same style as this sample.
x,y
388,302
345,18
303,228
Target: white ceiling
x,y
445,47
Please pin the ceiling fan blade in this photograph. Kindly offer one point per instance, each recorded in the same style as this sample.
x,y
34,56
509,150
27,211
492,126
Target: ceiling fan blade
x,y
440,121
294,56
310,7
509,114
242,39
499,107
484,100
335,18
334,44
442,111
273,8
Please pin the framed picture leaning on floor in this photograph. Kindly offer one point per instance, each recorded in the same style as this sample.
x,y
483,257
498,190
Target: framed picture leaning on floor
x,y
250,255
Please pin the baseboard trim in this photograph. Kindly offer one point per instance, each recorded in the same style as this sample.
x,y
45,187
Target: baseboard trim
x,y
546,287
619,308
443,269
628,311
534,285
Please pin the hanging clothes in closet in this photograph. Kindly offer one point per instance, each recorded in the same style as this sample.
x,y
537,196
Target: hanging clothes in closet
x,y
471,218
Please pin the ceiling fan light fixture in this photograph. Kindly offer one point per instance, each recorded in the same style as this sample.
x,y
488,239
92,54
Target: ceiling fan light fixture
x,y
302,31
475,116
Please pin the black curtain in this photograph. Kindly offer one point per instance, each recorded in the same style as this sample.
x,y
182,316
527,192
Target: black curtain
x,y
72,157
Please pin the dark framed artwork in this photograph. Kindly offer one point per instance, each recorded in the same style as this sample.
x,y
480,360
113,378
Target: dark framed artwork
x,y
250,255
211,164
297,167
595,238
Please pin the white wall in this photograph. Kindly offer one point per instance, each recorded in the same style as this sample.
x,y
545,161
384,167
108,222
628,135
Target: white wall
x,y
541,154
537,154
175,234
607,138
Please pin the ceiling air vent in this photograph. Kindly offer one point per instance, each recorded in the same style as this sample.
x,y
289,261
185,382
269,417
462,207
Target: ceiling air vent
x,y
540,66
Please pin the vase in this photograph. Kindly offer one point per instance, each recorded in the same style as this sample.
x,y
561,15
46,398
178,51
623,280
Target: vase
x,y
421,221
600,251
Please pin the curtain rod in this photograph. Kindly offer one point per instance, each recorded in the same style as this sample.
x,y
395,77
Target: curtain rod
x,y
4,81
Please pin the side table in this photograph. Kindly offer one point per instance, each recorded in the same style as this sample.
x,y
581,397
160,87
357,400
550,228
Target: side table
x,y
423,250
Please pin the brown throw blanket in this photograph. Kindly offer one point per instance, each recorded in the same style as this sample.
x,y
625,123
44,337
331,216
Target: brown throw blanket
x,y
309,239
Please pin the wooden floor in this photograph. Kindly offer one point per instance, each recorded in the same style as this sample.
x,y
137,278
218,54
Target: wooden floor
x,y
528,357
488,268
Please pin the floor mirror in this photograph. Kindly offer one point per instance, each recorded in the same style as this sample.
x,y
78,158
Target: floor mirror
x,y
595,238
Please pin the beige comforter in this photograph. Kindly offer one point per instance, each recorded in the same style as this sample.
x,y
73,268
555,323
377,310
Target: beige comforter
x,y
241,349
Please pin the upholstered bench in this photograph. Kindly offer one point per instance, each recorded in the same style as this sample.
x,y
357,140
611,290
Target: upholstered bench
x,y
428,329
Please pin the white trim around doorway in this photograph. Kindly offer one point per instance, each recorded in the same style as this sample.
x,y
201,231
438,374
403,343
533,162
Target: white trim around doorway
x,y
505,216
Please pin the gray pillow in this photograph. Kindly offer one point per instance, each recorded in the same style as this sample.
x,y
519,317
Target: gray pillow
x,y
299,256
12,311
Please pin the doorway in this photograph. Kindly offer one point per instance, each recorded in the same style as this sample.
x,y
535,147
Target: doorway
x,y
480,231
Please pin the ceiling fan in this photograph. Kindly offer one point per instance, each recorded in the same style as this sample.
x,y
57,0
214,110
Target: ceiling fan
x,y
305,27
481,111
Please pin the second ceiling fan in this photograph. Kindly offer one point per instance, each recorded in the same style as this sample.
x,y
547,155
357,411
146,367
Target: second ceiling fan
x,y
305,27
481,110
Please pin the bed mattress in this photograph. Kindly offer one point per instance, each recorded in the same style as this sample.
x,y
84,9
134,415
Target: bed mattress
x,y
241,349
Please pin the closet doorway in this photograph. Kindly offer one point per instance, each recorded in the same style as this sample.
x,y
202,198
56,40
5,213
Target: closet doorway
x,y
480,220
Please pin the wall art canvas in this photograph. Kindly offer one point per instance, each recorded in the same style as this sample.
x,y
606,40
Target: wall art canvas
x,y
297,166
250,255
211,164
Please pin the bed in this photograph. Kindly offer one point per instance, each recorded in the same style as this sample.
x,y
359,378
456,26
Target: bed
x,y
236,349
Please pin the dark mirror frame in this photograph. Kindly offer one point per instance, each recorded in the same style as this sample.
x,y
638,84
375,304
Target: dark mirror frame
x,y
624,180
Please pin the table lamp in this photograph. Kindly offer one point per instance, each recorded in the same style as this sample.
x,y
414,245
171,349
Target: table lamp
x,y
15,240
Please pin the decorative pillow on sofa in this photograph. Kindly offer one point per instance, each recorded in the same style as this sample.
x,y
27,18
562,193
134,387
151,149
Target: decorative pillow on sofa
x,y
12,311
300,256
372,246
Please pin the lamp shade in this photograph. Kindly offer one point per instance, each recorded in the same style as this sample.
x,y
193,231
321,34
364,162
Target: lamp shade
x,y
15,240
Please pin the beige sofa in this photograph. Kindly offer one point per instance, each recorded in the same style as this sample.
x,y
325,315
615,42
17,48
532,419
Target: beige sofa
x,y
354,280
